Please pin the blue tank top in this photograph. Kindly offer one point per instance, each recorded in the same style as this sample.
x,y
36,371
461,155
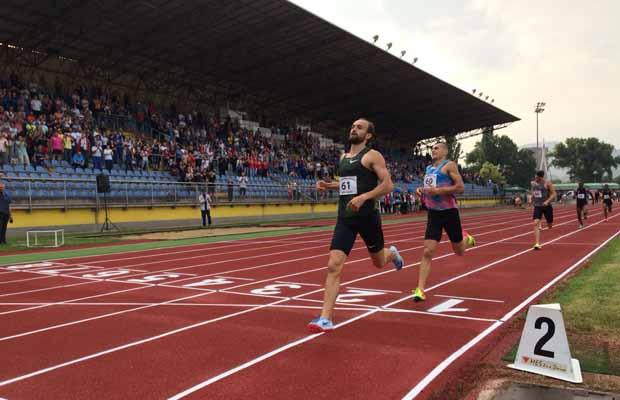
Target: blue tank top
x,y
435,178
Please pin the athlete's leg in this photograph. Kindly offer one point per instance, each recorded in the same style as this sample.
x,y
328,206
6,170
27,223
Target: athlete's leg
x,y
580,215
605,209
336,261
548,211
425,264
537,231
381,258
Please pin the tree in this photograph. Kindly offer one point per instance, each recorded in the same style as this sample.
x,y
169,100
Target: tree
x,y
517,166
454,148
490,171
587,159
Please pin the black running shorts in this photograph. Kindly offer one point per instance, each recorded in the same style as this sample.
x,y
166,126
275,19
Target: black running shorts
x,y
547,211
438,220
369,228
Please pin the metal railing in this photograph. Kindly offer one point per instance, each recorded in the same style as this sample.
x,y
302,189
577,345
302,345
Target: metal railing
x,y
30,193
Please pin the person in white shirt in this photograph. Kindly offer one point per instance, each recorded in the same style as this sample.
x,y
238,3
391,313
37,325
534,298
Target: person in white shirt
x,y
243,185
205,207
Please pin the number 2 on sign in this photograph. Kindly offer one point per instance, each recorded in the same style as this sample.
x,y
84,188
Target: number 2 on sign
x,y
538,349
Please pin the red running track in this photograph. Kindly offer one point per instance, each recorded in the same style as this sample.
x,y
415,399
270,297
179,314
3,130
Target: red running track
x,y
227,320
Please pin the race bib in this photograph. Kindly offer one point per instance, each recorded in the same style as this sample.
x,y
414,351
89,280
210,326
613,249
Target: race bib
x,y
430,180
537,194
348,185
606,197
581,196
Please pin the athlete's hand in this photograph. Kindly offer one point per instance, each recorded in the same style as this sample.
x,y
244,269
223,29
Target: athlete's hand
x,y
431,191
356,203
321,186
419,191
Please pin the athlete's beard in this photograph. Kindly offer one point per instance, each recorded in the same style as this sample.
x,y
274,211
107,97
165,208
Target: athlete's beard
x,y
355,140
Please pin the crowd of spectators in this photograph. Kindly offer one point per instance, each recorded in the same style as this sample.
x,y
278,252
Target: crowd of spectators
x,y
39,124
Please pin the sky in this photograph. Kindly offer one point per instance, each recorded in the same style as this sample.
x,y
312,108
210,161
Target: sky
x,y
565,53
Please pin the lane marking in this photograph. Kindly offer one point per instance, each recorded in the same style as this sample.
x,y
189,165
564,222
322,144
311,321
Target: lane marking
x,y
35,373
449,360
468,298
311,337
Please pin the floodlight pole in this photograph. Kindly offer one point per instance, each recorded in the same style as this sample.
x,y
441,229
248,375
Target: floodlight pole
x,y
540,107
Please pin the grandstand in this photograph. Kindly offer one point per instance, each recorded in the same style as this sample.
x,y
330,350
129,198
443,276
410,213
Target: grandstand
x,y
160,120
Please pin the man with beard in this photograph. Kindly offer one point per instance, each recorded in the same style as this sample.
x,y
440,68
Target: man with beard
x,y
363,178
441,182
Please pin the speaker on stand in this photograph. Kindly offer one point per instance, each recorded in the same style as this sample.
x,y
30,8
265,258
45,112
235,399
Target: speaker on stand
x,y
103,186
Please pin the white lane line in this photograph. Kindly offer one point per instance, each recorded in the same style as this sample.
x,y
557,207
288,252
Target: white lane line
x,y
446,363
376,290
468,298
132,344
42,371
75,300
259,359
311,337
298,283
49,328
402,310
27,279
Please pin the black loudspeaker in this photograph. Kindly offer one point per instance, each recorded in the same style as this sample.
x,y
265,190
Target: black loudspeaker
x,y
103,183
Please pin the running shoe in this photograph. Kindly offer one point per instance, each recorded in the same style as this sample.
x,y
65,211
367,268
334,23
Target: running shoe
x,y
537,246
418,295
469,239
320,324
580,226
398,260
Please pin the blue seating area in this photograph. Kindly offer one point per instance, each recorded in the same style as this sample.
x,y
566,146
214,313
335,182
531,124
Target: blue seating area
x,y
77,183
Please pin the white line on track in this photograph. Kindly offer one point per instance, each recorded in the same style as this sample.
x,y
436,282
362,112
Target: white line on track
x,y
468,298
370,312
449,360
429,377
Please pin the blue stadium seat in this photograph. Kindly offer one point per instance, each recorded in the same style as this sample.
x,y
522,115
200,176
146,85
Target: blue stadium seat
x,y
7,168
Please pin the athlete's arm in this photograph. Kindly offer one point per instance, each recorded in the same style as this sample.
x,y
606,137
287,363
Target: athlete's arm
x,y
458,186
321,185
552,194
377,164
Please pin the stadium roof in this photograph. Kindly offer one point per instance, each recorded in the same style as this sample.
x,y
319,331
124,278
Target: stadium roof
x,y
268,48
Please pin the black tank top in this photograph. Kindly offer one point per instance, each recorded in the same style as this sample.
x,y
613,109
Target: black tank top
x,y
356,179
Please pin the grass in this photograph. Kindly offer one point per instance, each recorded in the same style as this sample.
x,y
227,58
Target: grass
x,y
591,309
17,244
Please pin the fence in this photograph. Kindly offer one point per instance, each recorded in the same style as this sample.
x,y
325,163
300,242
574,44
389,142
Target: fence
x,y
30,193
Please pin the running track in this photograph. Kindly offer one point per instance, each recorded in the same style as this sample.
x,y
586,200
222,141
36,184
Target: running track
x,y
227,320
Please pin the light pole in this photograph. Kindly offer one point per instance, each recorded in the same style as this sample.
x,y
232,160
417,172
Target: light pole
x,y
540,107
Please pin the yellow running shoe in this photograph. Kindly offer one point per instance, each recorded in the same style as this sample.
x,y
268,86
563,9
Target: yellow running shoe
x,y
418,295
469,239
537,246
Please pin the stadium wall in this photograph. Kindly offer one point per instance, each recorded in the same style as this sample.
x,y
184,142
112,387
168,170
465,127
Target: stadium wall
x,y
57,217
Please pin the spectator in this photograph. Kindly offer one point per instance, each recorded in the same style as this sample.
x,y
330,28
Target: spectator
x,y
108,158
4,148
5,213
21,151
97,152
78,161
205,207
231,188
243,185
